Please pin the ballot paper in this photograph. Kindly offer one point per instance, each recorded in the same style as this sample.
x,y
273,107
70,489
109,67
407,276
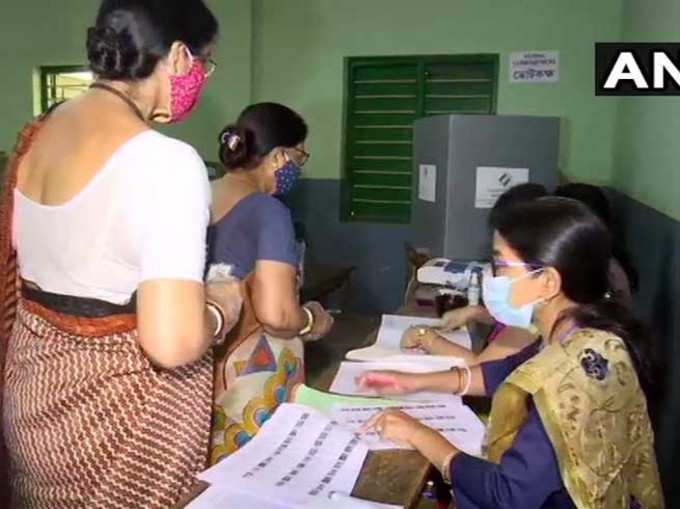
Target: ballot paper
x,y
345,381
454,420
215,497
298,457
388,343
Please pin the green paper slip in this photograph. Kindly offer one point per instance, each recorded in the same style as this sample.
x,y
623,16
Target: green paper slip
x,y
323,401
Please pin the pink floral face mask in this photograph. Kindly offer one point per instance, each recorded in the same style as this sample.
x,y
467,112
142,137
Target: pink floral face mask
x,y
186,90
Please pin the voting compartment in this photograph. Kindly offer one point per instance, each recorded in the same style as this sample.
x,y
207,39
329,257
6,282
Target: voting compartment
x,y
462,163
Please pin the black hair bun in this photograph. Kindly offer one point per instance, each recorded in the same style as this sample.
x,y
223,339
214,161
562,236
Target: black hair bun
x,y
130,37
112,54
234,147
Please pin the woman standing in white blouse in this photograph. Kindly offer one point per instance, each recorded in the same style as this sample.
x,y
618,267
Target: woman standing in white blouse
x,y
108,372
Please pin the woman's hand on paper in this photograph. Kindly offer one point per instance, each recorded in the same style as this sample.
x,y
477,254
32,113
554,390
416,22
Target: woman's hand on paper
x,y
395,425
419,337
389,382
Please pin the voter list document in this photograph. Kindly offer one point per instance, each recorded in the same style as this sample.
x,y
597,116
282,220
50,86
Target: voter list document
x,y
455,421
298,457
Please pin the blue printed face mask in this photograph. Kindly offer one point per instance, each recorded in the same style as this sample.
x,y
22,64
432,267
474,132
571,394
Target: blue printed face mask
x,y
497,292
286,177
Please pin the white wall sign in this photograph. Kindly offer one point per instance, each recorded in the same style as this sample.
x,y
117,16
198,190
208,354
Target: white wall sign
x,y
534,66
427,182
493,181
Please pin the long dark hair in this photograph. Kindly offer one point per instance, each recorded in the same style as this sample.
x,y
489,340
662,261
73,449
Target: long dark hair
x,y
259,129
130,37
565,234
596,200
517,194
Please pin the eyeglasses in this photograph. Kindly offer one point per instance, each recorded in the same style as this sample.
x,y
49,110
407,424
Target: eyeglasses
x,y
305,156
496,263
209,65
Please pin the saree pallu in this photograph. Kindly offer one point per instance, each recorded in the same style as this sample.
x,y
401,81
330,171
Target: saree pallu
x,y
254,373
89,422
590,402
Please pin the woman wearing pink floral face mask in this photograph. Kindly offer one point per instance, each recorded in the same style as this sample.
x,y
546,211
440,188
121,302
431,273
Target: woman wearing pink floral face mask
x,y
107,327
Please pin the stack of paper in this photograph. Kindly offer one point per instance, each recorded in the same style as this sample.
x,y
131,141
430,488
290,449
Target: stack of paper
x,y
299,458
443,412
388,343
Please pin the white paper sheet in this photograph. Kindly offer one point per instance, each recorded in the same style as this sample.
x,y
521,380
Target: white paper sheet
x,y
493,181
298,456
392,328
452,419
214,498
345,379
534,66
427,182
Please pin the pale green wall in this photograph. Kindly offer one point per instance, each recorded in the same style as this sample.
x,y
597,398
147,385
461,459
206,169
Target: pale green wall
x,y
52,32
292,51
300,45
647,150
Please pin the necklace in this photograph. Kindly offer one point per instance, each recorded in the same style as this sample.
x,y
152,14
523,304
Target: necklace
x,y
121,96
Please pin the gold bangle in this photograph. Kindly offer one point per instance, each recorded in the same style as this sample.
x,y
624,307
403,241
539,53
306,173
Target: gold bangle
x,y
310,321
460,379
446,467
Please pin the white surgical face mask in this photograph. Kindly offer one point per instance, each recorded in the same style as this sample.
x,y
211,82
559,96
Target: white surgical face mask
x,y
497,293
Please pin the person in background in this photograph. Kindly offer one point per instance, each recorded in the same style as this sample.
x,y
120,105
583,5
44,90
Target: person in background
x,y
623,277
569,425
504,339
108,369
263,153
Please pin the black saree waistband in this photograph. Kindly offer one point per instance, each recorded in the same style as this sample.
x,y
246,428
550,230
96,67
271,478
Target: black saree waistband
x,y
78,306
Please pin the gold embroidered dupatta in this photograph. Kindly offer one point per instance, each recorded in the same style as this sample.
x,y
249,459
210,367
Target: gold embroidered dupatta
x,y
589,399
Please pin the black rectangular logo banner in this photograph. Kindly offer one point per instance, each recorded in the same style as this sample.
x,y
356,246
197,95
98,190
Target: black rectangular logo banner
x,y
647,68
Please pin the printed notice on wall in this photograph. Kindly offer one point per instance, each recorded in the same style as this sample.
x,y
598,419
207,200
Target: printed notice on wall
x,y
493,181
427,182
534,67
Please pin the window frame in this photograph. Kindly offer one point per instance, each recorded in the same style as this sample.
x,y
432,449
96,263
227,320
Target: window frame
x,y
421,61
50,70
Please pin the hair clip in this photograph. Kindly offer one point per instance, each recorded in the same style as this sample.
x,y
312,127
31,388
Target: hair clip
x,y
231,139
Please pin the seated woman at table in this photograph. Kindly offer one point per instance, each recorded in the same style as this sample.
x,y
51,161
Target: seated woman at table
x,y
505,338
569,425
263,153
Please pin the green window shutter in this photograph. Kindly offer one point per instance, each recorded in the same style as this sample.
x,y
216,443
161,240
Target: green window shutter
x,y
460,86
382,103
383,98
